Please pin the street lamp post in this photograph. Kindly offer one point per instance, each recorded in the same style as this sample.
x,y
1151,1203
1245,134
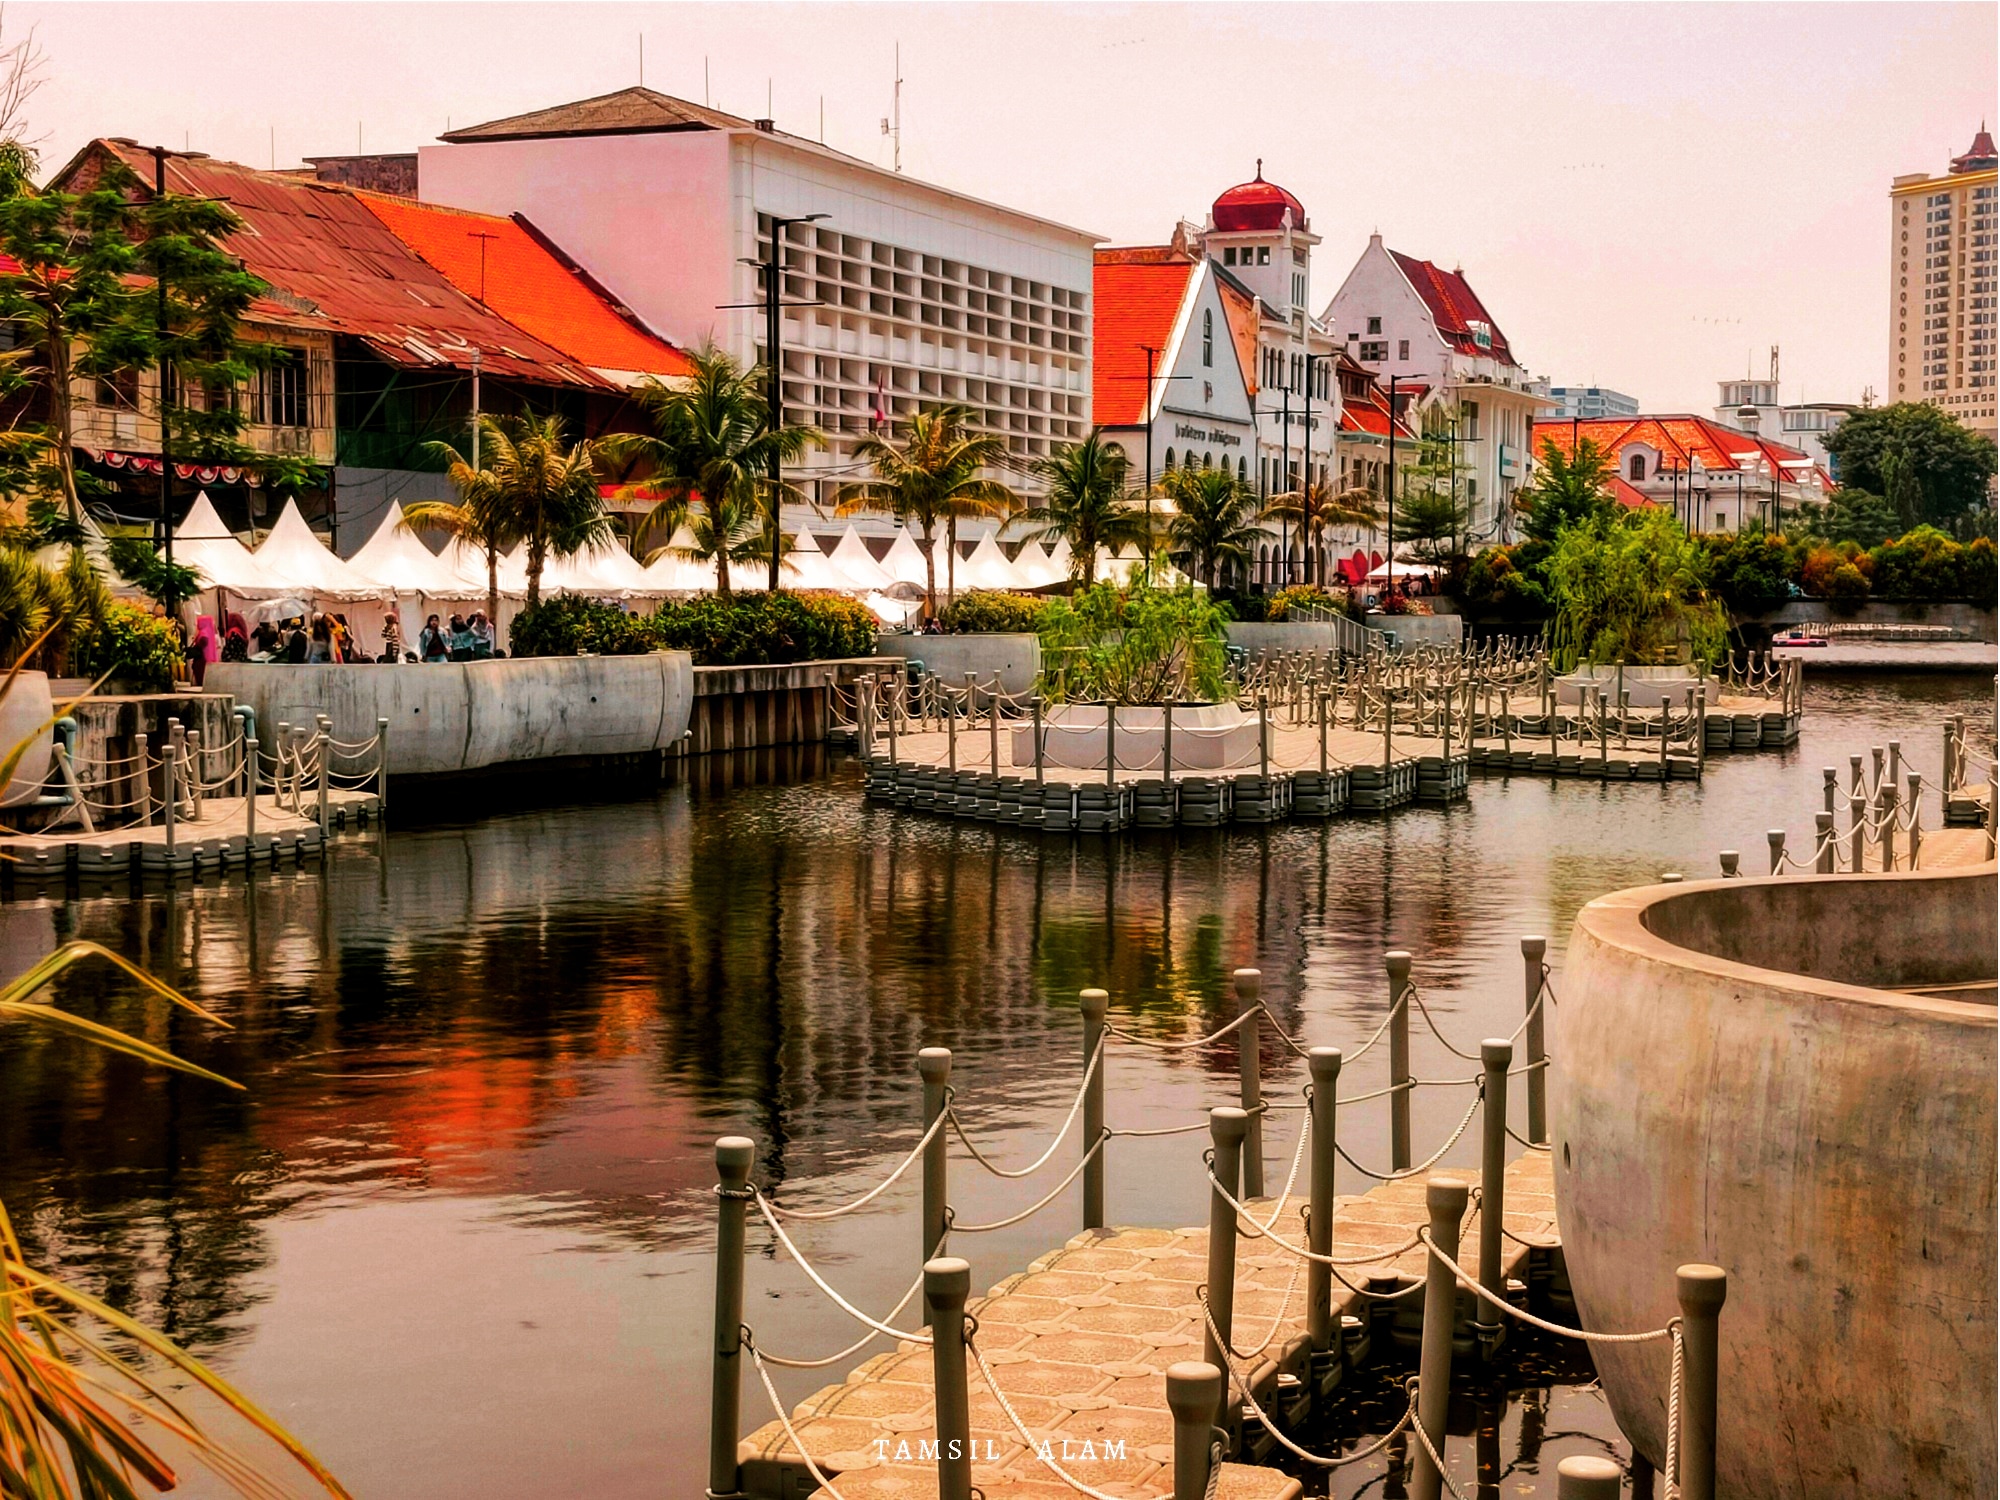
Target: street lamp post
x,y
1306,468
1390,530
773,375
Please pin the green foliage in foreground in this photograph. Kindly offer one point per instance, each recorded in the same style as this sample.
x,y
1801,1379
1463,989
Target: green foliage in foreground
x,y
740,630
990,610
1141,645
1633,588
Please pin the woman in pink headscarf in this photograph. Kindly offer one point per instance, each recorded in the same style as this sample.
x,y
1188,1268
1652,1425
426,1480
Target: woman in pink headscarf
x,y
204,649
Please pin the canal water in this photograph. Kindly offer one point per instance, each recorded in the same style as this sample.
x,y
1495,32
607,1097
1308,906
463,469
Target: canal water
x,y
456,1230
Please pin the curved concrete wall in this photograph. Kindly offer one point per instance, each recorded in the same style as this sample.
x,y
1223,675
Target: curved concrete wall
x,y
1736,1081
461,716
1016,657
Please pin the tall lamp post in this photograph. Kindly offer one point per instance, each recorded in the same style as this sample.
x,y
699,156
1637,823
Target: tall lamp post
x,y
1306,467
166,453
1390,530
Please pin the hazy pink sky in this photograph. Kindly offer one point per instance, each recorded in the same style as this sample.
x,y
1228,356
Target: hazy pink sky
x,y
1641,194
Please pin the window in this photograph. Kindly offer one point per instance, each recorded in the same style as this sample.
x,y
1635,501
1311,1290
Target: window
x,y
282,391
1263,255
119,390
1402,348
1229,255
1373,352
1207,337
1242,471
1471,421
1638,466
1170,462
1374,325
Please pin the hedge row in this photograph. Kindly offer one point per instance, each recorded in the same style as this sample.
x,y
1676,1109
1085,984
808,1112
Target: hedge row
x,y
740,631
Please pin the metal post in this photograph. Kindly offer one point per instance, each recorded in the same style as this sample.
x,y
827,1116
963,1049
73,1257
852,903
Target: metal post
x,y
1324,1065
1094,1003
733,1157
1587,1477
947,1282
170,761
1916,832
934,1066
253,773
1823,843
1857,814
1534,950
1445,1196
1701,1291
1832,787
382,766
1226,1128
1194,1390
1249,1073
1775,837
1496,1055
1398,965
1110,744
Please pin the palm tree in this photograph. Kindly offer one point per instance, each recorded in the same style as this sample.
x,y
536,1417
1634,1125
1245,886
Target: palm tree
x,y
1088,503
930,477
1214,519
726,529
532,486
1318,508
713,444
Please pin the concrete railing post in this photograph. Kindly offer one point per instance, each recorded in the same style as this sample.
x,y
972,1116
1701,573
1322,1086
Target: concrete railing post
x,y
142,801
1885,819
1823,843
1398,965
1250,1076
325,769
1194,1390
733,1157
1832,787
1496,1056
1731,862
1701,1291
196,764
1916,832
1666,731
1855,781
382,765
1775,837
1263,735
1587,1477
1895,762
1533,951
1226,1128
1857,814
934,1067
1167,742
170,798
1094,1003
1111,744
1324,1065
1445,1197
252,774
1039,737
947,1283
993,726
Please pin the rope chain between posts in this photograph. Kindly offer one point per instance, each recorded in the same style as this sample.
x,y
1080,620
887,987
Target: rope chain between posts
x,y
1089,1072
784,1418
1039,1449
1430,1161
1248,1223
1675,1379
1423,1437
764,1208
1458,1271
880,1187
1042,1202
870,1336
1214,1036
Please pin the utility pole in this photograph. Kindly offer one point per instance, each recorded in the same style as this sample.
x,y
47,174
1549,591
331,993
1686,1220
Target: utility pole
x,y
166,536
1152,355
774,374
1285,475
1390,529
476,362
1306,484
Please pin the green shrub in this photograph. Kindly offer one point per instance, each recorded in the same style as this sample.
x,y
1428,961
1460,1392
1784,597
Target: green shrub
x,y
1241,606
1927,564
993,610
1308,601
138,649
1509,581
1145,645
570,625
1753,570
742,630
1846,584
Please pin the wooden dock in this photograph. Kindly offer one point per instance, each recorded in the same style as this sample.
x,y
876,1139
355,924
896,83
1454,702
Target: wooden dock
x,y
1080,1342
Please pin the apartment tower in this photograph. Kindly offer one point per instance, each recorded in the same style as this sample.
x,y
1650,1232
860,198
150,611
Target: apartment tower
x,y
1942,237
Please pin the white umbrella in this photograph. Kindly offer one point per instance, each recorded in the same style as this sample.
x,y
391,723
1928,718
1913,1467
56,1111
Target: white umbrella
x,y
891,611
851,555
1403,570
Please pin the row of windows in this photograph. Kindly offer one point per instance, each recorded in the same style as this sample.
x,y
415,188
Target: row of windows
x,y
276,396
1229,255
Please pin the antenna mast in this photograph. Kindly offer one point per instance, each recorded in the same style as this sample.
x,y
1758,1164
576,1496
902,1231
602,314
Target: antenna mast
x,y
896,105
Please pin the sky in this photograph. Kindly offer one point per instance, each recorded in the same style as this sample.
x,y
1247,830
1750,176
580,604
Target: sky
x,y
1645,196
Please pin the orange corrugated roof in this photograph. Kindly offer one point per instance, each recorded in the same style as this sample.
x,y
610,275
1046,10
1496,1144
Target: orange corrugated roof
x,y
524,283
1680,438
1134,303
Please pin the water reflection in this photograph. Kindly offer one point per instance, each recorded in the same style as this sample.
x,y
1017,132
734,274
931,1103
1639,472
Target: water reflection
x,y
486,1062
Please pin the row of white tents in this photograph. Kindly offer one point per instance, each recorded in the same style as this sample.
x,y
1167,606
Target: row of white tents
x,y
292,571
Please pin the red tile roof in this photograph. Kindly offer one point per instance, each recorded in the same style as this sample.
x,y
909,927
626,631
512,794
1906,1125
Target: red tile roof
x,y
328,257
1679,440
1982,156
500,263
1135,297
1454,306
1628,494
1256,206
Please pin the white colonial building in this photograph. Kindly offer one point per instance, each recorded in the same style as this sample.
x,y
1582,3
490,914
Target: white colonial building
x,y
900,294
1406,319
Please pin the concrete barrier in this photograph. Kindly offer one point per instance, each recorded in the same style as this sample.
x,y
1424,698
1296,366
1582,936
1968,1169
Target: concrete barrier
x,y
1016,657
1419,630
464,716
1794,1080
1261,636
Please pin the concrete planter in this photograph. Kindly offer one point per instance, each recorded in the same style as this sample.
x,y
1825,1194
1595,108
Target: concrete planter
x,y
1015,657
1207,737
1750,1073
24,716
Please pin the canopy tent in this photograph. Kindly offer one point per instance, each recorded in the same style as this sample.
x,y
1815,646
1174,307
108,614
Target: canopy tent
x,y
292,553
1381,573
203,543
609,569
396,558
904,561
672,573
1036,569
469,563
988,568
851,555
1062,562
806,567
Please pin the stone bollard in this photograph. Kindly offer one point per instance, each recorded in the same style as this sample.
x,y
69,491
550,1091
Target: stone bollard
x,y
733,1157
1534,950
1194,1390
947,1283
1321,1325
1250,1077
1587,1477
1226,1128
1093,1003
1398,965
934,1067
1775,837
1729,859
1496,1056
1445,1197
1823,842
1701,1291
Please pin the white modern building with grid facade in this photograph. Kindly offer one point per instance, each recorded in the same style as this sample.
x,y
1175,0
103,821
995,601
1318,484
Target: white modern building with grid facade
x,y
903,295
1944,236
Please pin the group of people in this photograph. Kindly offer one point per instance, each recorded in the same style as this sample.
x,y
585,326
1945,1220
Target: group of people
x,y
327,638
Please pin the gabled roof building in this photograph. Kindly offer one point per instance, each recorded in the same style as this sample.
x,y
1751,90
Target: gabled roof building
x,y
1715,477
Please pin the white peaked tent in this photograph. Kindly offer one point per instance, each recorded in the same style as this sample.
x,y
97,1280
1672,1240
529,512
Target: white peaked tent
x,y
396,558
672,574
1061,562
1036,568
851,555
203,543
469,563
609,569
292,553
988,568
806,567
904,561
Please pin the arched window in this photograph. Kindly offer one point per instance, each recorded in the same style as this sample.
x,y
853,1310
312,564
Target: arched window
x,y
1638,466
1242,471
1208,460
1170,462
1207,336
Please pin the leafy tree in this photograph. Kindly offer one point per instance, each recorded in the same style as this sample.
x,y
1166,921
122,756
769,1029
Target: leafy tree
x,y
933,475
1568,488
1140,645
727,531
167,584
1752,570
1847,516
1088,503
1319,508
1928,467
712,445
1432,523
1632,588
1214,520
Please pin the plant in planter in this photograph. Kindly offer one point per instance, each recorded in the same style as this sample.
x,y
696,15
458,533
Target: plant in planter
x,y
1142,645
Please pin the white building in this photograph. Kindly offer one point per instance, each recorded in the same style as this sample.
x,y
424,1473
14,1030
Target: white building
x,y
1755,406
1944,306
1587,402
1406,319
901,295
